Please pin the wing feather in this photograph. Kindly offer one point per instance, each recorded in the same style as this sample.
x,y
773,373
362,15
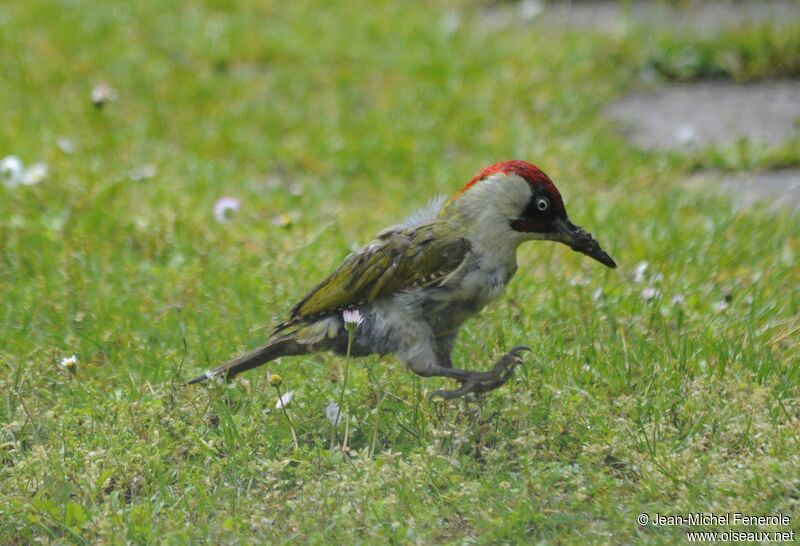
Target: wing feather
x,y
397,260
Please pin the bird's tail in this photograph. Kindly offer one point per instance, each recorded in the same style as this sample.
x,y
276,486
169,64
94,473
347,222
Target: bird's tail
x,y
283,346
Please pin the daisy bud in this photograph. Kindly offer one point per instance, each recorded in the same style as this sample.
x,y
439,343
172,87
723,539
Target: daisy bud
x,y
352,319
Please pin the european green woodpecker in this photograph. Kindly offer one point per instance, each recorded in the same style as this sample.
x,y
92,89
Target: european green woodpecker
x,y
420,280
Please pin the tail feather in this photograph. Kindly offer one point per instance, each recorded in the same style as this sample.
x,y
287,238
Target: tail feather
x,y
253,359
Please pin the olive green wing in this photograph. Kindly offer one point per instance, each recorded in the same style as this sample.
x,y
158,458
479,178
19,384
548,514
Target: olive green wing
x,y
397,260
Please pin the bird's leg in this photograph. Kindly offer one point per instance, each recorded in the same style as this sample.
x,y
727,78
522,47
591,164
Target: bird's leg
x,y
424,360
428,356
478,382
444,350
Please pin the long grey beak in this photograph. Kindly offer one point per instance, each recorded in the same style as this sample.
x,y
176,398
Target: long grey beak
x,y
580,240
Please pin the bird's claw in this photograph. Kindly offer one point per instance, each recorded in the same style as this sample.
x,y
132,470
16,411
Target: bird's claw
x,y
519,349
481,382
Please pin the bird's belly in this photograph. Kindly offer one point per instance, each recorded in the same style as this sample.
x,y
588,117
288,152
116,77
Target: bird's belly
x,y
446,320
448,309
391,323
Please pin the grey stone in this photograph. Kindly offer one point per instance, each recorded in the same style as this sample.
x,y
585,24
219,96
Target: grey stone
x,y
780,188
699,17
691,116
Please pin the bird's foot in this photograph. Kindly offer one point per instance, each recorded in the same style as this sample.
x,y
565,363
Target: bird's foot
x,y
479,382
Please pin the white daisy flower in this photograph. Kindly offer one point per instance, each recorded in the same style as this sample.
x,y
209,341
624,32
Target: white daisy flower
x,y
34,174
70,363
352,318
284,399
11,169
332,413
638,273
649,293
103,93
225,208
66,145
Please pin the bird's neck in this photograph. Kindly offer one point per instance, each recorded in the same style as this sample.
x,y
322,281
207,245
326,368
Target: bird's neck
x,y
482,214
492,239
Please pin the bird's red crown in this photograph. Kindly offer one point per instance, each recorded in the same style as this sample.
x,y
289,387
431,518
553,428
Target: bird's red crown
x,y
532,174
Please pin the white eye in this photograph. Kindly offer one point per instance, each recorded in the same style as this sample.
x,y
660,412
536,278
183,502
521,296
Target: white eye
x,y
542,203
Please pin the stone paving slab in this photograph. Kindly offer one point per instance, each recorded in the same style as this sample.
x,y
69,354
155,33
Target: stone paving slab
x,y
699,17
779,188
690,116
707,17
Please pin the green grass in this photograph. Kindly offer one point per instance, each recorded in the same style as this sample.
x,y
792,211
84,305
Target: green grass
x,y
756,53
365,111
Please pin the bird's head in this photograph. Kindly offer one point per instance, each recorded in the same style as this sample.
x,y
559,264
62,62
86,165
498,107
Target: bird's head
x,y
518,199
